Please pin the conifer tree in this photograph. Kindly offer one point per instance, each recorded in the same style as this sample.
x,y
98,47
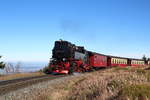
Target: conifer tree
x,y
2,65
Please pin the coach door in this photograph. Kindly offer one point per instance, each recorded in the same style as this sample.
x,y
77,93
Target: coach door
x,y
108,61
129,62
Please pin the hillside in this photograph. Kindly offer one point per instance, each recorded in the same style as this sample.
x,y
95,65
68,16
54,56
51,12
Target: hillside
x,y
110,84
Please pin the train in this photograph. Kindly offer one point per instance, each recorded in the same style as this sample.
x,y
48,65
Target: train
x,y
68,58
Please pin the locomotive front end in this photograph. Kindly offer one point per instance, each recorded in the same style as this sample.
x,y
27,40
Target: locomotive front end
x,y
62,54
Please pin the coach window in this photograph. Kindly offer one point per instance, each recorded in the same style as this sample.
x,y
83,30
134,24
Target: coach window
x,y
95,57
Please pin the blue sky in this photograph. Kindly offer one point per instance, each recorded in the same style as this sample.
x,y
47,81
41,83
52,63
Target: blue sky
x,y
28,28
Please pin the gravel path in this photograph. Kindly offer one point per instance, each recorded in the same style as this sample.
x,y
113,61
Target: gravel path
x,y
33,91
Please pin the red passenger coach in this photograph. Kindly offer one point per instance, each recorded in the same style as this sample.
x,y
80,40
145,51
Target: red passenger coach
x,y
98,60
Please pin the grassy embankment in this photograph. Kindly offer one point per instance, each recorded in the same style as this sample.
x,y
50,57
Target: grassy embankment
x,y
111,84
20,75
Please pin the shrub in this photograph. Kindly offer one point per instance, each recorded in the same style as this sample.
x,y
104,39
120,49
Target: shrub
x,y
140,92
47,70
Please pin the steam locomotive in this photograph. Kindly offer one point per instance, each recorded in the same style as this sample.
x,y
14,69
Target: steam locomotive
x,y
68,58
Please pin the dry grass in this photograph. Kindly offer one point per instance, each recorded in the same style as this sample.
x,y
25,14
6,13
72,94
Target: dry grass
x,y
112,84
20,75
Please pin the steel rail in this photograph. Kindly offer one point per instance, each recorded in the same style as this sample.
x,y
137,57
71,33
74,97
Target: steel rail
x,y
10,85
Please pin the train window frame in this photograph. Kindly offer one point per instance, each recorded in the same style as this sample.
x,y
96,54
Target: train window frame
x,y
113,61
116,61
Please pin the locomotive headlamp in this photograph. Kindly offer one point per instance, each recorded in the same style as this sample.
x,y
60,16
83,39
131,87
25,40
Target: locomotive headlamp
x,y
64,59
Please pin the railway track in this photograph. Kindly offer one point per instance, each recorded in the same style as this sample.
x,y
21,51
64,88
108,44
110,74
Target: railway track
x,y
11,85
